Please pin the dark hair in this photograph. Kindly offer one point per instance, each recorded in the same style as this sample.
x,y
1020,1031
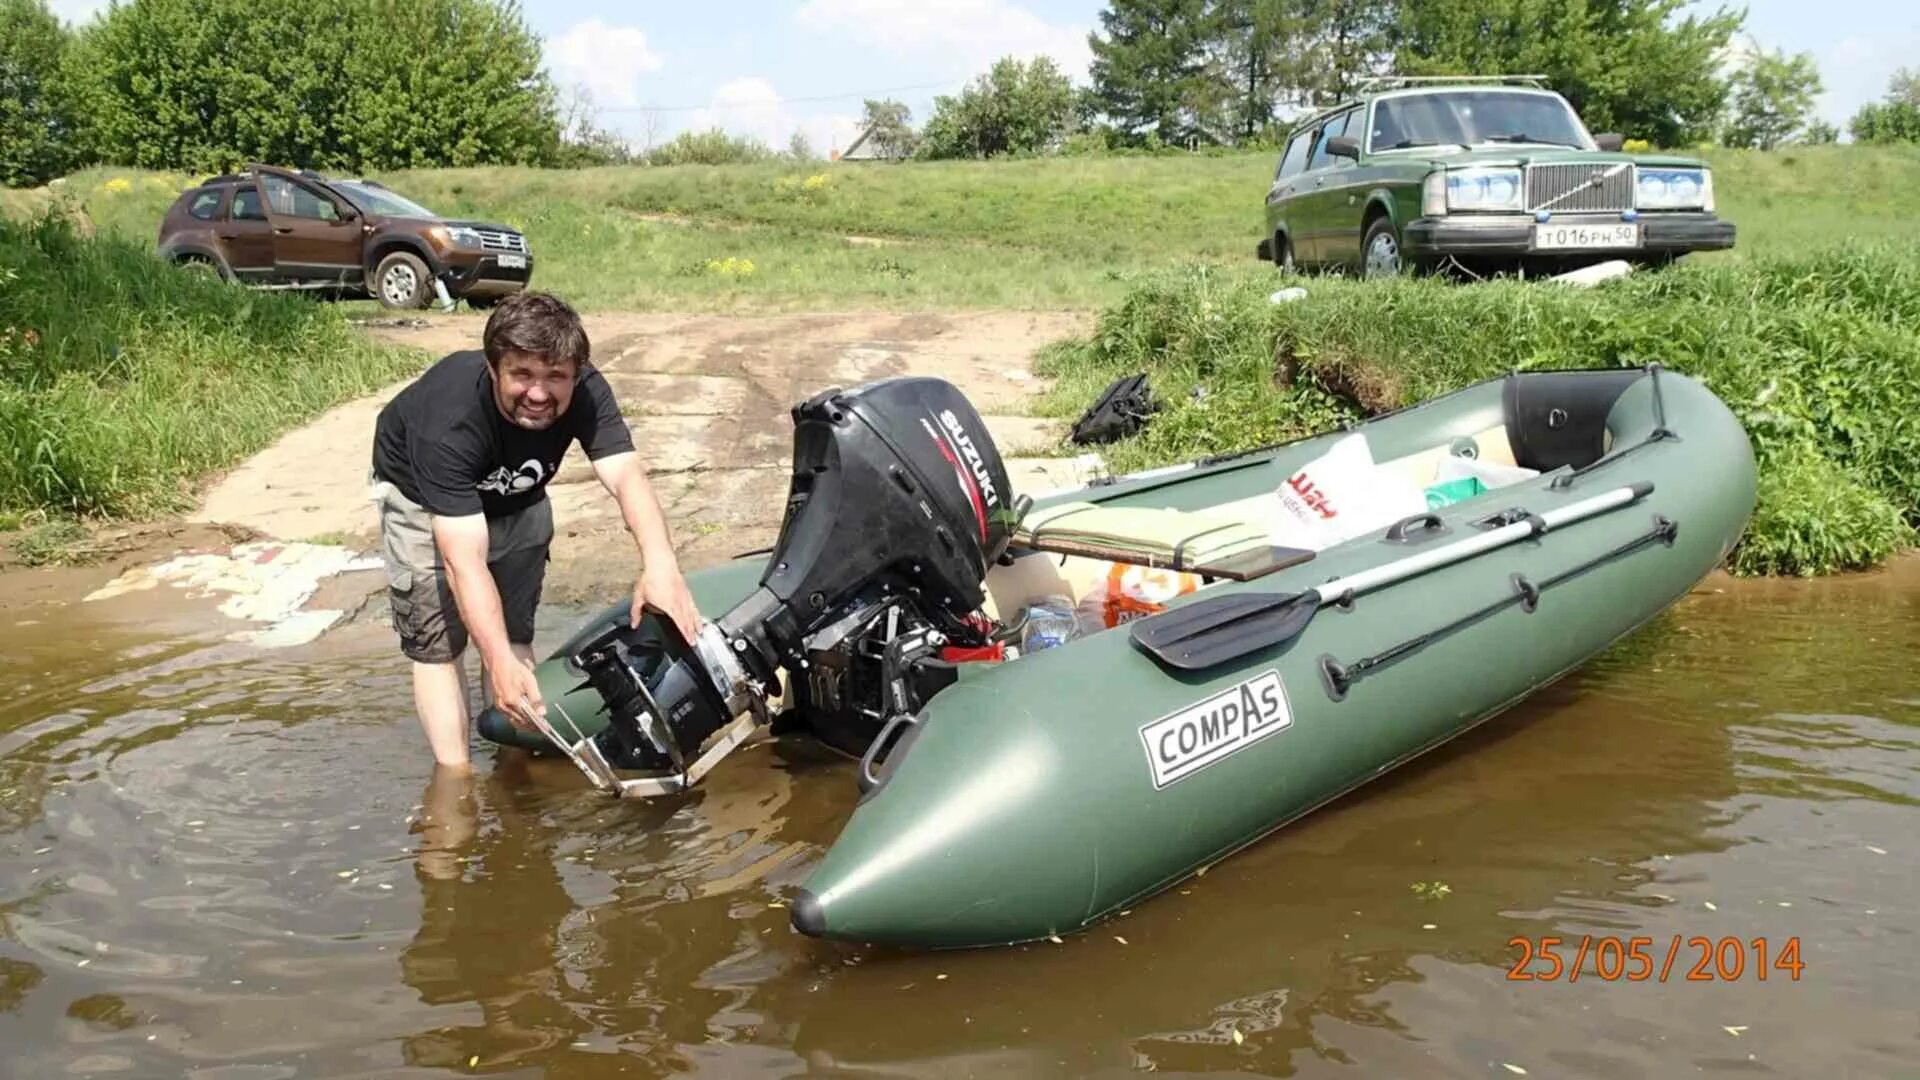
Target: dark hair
x,y
538,323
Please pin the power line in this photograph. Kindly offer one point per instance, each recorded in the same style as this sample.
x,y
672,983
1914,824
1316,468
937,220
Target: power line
x,y
779,101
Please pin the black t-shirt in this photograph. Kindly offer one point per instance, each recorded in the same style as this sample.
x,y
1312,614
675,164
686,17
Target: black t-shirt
x,y
444,443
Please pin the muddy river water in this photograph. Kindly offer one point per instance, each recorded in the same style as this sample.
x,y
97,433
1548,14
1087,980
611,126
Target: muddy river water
x,y
230,863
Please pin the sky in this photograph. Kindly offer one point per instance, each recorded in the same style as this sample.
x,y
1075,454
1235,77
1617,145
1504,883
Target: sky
x,y
769,68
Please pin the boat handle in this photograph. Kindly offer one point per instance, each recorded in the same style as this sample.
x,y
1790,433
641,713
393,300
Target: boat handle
x,y
1398,533
868,781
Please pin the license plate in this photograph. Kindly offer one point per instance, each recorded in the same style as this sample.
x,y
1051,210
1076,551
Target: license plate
x,y
514,262
1621,234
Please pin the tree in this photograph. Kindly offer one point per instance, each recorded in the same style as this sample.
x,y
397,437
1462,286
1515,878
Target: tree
x,y
1624,65
1151,72
583,142
1893,120
1772,97
1904,88
1344,40
886,123
38,110
1013,108
357,84
1305,53
1820,133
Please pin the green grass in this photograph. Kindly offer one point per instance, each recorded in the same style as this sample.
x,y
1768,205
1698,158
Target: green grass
x,y
1817,354
1031,234
124,381
139,380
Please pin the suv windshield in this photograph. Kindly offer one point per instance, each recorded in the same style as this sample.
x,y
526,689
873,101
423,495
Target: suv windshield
x,y
1471,117
381,201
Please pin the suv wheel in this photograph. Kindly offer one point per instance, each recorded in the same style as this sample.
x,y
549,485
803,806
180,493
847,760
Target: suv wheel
x,y
201,267
1380,250
400,281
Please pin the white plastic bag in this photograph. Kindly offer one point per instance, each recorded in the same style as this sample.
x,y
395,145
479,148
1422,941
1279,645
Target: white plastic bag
x,y
1341,494
1130,592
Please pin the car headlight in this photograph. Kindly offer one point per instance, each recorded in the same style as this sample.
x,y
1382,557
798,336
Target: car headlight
x,y
455,236
1673,189
1485,189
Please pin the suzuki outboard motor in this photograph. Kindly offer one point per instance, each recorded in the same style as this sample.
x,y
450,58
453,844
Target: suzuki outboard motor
x,y
898,505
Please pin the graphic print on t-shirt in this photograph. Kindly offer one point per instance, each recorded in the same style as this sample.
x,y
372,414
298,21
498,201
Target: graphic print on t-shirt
x,y
508,482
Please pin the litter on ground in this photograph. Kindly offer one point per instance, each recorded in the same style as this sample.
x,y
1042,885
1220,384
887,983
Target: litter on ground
x,y
265,582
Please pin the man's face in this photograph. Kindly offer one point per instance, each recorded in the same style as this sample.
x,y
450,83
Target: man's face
x,y
531,391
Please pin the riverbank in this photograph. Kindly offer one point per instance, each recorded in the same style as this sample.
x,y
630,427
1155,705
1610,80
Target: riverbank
x,y
1818,355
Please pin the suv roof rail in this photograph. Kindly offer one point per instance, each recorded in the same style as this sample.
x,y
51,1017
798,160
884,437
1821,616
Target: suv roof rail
x,y
1372,82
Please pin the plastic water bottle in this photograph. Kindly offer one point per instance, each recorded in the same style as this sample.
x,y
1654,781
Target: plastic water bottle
x,y
1050,622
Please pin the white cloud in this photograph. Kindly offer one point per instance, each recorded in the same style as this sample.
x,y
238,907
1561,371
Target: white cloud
x,y
969,33
608,60
751,106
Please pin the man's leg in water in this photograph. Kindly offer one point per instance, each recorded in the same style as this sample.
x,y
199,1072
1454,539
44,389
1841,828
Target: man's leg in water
x,y
440,700
427,621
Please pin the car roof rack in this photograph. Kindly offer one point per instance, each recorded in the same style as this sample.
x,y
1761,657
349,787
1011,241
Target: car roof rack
x,y
1389,82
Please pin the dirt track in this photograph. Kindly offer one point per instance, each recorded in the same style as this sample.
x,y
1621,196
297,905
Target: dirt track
x,y
708,400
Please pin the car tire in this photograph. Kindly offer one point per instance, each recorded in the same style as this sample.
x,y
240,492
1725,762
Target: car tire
x,y
1380,254
1283,254
401,281
200,265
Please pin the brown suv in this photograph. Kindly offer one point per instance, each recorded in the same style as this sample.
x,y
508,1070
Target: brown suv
x,y
281,229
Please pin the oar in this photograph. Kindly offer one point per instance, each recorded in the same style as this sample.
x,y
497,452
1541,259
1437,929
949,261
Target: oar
x,y
1207,632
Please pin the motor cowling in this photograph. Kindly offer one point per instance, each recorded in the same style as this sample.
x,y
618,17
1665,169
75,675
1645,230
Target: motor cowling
x,y
896,482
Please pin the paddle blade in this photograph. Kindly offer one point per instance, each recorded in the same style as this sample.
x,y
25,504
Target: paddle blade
x,y
1206,633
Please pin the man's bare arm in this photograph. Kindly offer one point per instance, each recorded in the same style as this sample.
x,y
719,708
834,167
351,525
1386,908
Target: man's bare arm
x,y
624,478
463,548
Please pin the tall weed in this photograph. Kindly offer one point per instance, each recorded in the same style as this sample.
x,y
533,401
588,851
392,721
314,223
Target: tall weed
x,y
123,380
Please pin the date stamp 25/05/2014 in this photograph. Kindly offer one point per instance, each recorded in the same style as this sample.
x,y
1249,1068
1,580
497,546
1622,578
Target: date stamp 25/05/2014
x,y
1721,959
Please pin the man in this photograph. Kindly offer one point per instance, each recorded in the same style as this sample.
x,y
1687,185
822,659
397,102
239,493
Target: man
x,y
461,462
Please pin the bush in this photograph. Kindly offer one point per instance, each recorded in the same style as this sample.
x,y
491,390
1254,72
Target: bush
x,y
711,147
124,379
1814,517
1818,356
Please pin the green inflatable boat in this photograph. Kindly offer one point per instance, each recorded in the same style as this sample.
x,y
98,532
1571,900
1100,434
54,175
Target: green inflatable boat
x,y
1064,703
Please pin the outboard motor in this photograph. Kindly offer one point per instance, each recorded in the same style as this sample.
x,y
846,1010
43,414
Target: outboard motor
x,y
897,507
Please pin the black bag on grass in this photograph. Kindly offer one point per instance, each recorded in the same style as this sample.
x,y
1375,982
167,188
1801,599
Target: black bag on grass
x,y
1121,410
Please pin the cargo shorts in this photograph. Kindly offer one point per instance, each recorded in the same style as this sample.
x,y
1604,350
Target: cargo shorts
x,y
424,613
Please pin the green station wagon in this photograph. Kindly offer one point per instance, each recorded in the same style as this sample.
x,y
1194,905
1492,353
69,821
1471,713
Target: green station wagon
x,y
1486,173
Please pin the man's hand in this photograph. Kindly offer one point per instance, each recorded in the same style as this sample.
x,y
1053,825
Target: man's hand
x,y
516,692
664,588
